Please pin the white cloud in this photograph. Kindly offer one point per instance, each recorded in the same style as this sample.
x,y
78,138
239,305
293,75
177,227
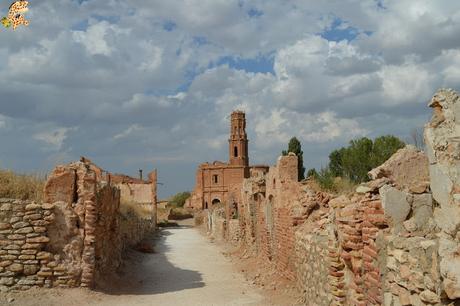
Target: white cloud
x,y
120,75
54,137
95,38
282,124
126,133
153,57
405,83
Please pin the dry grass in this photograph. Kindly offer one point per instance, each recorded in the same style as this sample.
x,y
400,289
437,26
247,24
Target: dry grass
x,y
132,208
339,186
178,213
344,185
20,186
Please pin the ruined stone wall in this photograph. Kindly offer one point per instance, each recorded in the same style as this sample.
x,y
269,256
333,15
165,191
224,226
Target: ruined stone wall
x,y
233,231
383,242
138,193
381,245
312,267
27,257
394,241
76,240
442,138
269,213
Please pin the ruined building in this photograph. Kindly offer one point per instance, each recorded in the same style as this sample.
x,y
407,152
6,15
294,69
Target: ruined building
x,y
394,241
215,181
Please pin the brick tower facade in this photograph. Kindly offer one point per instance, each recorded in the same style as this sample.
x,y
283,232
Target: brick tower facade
x,y
238,141
221,182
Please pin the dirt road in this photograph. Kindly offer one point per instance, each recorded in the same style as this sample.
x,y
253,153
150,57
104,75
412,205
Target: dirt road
x,y
186,269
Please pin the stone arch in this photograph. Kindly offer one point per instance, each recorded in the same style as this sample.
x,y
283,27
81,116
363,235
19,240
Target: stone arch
x,y
215,201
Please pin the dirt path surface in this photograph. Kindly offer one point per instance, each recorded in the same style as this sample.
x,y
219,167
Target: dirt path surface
x,y
186,269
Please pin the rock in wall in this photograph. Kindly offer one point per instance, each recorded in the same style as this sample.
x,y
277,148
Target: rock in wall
x,y
442,138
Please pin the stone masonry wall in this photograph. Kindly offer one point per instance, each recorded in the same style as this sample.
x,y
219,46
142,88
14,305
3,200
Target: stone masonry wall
x,y
394,241
26,258
312,267
76,240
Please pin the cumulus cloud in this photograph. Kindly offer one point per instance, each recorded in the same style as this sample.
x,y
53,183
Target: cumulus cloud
x,y
54,138
130,130
150,81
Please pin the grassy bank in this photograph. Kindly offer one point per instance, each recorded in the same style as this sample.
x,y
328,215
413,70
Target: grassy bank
x,y
21,186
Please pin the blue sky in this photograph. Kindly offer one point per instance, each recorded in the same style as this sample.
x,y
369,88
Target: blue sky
x,y
142,85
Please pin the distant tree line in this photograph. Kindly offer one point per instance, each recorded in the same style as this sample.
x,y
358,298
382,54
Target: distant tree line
x,y
356,160
178,200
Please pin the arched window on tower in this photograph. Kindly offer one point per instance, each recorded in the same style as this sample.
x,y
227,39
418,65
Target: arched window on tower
x,y
235,152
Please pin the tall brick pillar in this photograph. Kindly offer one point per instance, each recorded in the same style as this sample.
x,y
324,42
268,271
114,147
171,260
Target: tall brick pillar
x,y
238,142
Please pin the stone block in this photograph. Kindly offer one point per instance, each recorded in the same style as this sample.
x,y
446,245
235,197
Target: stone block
x,y
41,239
15,267
430,297
30,269
450,270
407,169
395,204
24,230
33,206
422,206
60,186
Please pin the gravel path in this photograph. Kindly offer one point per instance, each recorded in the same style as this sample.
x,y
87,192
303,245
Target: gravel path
x,y
185,270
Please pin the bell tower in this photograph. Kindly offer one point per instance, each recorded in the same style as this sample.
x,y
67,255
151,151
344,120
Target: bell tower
x,y
238,142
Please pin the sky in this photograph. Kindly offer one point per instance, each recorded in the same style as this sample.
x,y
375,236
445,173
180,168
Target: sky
x,y
150,84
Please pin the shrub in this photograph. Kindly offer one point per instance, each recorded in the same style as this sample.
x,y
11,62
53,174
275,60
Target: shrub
x,y
179,214
178,200
351,164
132,208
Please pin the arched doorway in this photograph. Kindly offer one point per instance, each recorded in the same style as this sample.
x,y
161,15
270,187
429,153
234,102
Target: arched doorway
x,y
215,202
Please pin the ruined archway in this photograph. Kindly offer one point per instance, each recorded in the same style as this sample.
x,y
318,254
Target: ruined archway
x,y
216,201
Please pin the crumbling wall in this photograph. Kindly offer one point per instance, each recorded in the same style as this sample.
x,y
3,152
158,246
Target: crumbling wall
x,y
313,267
270,210
25,258
394,241
442,138
76,240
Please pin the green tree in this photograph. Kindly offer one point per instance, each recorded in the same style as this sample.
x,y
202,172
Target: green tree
x,y
384,148
335,162
357,158
295,147
363,155
325,179
178,200
312,173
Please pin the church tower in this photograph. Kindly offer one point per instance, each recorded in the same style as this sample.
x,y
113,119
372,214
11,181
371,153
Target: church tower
x,y
238,142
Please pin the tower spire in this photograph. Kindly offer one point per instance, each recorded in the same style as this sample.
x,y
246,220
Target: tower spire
x,y
238,142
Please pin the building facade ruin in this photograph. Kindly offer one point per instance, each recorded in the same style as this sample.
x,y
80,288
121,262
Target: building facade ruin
x,y
215,181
